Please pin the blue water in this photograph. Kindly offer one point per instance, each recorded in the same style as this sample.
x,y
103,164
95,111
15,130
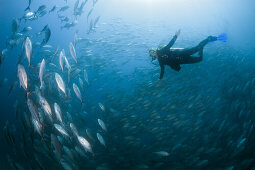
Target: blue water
x,y
202,116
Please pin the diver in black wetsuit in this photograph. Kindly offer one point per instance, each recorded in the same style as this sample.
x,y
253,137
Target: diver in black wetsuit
x,y
175,57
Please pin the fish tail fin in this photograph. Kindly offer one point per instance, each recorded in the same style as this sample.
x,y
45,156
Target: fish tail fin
x,y
82,105
41,86
43,43
28,93
27,9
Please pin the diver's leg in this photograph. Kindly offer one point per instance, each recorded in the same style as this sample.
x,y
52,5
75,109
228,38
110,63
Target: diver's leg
x,y
200,46
191,59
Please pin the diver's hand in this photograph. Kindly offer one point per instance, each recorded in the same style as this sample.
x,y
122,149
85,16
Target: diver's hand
x,y
159,81
178,32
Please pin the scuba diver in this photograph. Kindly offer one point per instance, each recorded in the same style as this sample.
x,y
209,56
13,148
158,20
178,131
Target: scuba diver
x,y
175,57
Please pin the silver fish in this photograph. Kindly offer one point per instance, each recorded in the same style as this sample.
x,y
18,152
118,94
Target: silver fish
x,y
101,107
102,125
42,13
42,67
41,8
75,39
61,130
60,83
68,68
65,19
101,139
47,46
89,134
85,144
46,107
72,51
26,29
63,8
67,63
77,92
162,153
65,165
74,129
33,109
61,63
58,112
29,16
86,76
70,24
53,9
28,49
22,75
81,83
56,144
37,126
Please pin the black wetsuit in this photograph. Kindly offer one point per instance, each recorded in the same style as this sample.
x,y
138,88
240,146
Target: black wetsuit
x,y
175,57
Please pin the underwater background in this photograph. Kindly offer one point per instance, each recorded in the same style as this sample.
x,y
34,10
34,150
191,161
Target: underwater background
x,y
121,117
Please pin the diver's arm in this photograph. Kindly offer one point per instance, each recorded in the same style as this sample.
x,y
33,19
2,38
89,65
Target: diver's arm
x,y
162,71
171,43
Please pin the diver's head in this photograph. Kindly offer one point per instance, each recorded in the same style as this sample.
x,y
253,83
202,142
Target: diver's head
x,y
153,54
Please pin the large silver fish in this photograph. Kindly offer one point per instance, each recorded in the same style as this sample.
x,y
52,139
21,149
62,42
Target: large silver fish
x,y
33,109
22,75
102,125
68,68
60,83
58,112
46,107
28,49
101,139
85,144
37,126
72,51
61,61
74,129
30,16
77,92
61,130
42,67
